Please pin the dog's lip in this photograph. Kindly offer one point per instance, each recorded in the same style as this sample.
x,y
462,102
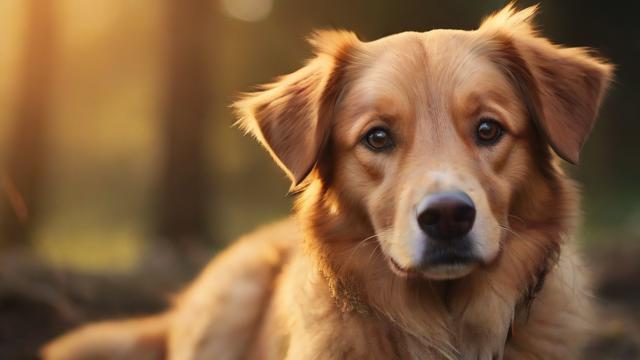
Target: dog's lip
x,y
449,257
437,260
401,271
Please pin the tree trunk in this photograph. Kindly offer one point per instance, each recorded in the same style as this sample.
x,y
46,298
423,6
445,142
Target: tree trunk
x,y
22,178
185,181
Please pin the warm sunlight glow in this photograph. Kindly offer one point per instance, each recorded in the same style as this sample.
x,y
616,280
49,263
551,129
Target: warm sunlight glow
x,y
247,10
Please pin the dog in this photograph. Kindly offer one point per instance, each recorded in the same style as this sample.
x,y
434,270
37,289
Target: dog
x,y
433,218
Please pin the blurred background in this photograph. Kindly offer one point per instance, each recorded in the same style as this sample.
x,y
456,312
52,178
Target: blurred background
x,y
121,175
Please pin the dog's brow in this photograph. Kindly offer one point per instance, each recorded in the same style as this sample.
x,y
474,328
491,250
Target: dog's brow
x,y
387,118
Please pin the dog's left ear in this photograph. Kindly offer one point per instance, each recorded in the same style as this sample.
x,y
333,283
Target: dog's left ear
x,y
562,87
292,116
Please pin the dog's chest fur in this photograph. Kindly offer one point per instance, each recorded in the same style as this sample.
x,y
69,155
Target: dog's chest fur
x,y
309,323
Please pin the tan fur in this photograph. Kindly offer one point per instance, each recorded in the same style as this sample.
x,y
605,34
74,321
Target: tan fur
x,y
138,339
321,287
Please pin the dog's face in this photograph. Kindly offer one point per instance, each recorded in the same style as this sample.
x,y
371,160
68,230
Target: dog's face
x,y
432,136
431,139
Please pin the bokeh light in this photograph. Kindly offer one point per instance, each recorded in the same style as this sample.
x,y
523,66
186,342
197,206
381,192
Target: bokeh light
x,y
247,10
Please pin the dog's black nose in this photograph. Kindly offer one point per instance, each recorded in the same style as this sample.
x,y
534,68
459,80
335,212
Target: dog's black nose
x,y
447,215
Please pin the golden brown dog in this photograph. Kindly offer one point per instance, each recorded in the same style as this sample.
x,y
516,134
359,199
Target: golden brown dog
x,y
433,219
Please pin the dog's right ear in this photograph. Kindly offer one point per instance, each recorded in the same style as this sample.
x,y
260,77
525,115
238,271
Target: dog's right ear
x,y
292,116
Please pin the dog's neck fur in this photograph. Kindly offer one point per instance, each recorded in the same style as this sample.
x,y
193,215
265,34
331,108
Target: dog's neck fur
x,y
343,245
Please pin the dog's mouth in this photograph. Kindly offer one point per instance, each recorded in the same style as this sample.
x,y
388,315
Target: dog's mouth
x,y
439,265
400,271
448,257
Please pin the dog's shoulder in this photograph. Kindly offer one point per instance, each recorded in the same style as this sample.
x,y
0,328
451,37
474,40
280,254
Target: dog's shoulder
x,y
223,308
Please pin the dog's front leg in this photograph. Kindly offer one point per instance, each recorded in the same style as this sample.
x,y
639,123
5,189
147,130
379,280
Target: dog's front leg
x,y
483,306
484,325
485,301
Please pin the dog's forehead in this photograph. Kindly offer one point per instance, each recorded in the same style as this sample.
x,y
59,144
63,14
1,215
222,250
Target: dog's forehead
x,y
432,51
423,67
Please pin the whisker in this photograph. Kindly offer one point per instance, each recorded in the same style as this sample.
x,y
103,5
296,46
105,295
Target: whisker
x,y
515,217
358,246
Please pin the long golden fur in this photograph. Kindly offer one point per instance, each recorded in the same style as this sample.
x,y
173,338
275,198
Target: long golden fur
x,y
343,280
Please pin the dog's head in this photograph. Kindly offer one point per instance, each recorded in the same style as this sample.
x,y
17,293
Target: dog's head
x,y
437,139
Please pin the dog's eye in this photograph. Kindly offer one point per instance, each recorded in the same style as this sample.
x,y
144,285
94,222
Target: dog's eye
x,y
488,132
378,139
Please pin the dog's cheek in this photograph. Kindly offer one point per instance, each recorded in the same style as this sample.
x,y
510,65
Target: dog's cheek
x,y
520,168
353,186
496,189
361,172
381,205
509,189
502,178
382,209
382,177
366,182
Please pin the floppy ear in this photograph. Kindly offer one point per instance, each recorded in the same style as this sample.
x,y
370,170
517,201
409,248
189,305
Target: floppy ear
x,y
292,116
562,87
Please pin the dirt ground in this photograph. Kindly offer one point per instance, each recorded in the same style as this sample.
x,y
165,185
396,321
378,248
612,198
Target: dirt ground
x,y
617,270
39,302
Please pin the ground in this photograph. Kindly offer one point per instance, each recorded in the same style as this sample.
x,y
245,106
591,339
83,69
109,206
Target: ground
x,y
38,302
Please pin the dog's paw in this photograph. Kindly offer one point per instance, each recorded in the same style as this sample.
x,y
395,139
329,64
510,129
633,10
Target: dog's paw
x,y
482,350
483,334
481,354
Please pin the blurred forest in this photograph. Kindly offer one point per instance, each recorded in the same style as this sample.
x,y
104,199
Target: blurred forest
x,y
121,175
